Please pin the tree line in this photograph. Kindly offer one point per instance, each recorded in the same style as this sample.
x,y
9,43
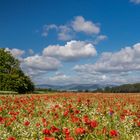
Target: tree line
x,y
125,88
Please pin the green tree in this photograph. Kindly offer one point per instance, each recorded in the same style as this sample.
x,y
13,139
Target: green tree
x,y
12,77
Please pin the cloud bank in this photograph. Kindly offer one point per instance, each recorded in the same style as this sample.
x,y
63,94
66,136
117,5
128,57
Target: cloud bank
x,y
125,60
118,67
73,50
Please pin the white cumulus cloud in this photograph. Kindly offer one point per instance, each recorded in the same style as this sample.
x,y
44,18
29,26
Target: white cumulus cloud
x,y
65,33
125,60
73,50
81,25
135,1
70,30
15,52
38,62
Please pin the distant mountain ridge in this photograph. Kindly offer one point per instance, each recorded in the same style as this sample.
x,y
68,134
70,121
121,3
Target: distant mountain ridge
x,y
73,87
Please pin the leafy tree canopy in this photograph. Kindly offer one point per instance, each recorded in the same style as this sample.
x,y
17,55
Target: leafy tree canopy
x,y
12,77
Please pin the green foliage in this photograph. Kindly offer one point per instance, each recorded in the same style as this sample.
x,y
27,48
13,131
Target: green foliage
x,y
44,90
12,77
126,88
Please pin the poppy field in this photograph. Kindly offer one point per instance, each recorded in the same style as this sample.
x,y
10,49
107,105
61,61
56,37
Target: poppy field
x,y
70,116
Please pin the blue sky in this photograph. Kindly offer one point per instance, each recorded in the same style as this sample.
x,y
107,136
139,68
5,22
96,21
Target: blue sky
x,y
73,41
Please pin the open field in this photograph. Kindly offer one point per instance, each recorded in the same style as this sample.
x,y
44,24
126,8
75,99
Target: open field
x,y
70,116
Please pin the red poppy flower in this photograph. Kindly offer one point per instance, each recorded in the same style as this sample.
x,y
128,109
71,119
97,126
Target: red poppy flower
x,y
1,120
75,119
77,111
54,129
93,124
66,113
66,131
46,132
37,124
27,123
113,133
86,120
80,131
138,124
49,138
69,138
11,138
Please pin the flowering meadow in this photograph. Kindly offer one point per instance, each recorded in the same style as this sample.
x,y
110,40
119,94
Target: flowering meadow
x,y
70,116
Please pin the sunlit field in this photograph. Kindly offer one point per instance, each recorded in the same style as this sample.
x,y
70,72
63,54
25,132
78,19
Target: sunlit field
x,y
70,116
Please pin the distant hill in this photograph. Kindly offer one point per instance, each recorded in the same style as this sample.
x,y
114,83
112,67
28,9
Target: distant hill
x,y
125,88
73,87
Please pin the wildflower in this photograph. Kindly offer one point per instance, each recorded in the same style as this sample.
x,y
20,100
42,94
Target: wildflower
x,y
27,123
111,112
93,124
86,119
80,131
138,124
77,111
46,132
122,117
66,113
104,130
1,120
66,131
69,138
11,138
56,106
113,133
44,122
37,124
49,138
74,119
54,129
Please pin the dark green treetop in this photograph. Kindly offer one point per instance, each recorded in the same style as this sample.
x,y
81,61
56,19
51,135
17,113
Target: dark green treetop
x,y
12,78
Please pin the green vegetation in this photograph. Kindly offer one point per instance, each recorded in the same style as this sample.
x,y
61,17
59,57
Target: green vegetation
x,y
12,77
45,90
126,88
